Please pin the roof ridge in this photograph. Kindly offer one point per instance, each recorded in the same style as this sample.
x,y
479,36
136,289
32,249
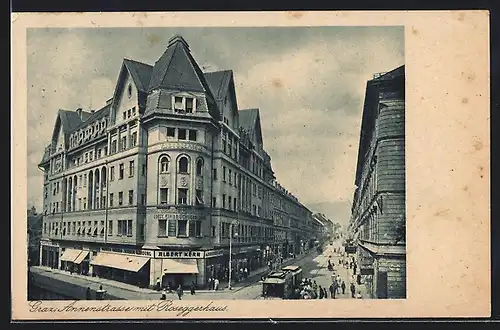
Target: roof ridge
x,y
136,61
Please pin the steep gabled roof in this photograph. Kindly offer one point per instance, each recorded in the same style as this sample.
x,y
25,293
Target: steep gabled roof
x,y
97,115
140,72
249,120
69,120
218,82
46,155
177,69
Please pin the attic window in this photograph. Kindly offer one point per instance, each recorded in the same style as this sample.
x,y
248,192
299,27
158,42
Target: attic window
x,y
189,105
129,91
178,103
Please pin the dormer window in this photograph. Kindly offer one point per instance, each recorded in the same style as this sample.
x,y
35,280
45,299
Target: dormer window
x,y
178,103
184,104
189,105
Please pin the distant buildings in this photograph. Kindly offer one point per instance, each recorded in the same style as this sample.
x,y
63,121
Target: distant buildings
x,y
154,185
378,210
34,236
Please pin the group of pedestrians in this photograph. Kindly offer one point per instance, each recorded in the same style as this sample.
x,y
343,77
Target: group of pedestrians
x,y
179,291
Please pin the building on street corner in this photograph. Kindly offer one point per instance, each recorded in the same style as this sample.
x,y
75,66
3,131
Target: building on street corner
x,y
378,220
155,185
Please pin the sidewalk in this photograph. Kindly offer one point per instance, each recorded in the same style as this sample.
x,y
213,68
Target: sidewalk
x,y
118,290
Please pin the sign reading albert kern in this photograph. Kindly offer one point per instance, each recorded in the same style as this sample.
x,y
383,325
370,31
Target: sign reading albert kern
x,y
179,254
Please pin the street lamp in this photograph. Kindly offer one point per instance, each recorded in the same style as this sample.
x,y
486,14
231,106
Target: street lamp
x,y
231,253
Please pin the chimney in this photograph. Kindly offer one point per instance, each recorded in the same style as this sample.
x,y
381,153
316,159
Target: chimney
x,y
79,112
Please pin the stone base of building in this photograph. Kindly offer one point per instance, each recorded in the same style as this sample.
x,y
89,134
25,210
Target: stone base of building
x,y
383,271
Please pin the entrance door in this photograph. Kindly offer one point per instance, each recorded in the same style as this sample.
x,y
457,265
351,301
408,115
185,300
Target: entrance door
x,y
382,285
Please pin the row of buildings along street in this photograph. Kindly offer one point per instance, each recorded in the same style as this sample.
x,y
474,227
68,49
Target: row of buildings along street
x,y
169,185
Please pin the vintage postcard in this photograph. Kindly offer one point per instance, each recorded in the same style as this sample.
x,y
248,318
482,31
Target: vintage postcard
x,y
263,165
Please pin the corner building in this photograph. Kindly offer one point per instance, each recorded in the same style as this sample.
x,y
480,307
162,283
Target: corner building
x,y
378,219
155,185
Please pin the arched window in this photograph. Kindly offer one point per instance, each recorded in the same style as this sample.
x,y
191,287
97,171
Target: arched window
x,y
183,164
164,162
199,166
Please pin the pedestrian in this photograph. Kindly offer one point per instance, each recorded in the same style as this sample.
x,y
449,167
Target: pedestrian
x,y
245,271
216,284
88,295
158,284
321,292
353,289
331,290
343,287
209,283
335,288
358,295
164,294
169,286
193,288
354,268
325,293
180,292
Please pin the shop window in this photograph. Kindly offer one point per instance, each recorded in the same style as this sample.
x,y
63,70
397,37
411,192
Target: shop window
x,y
183,165
163,195
172,228
162,228
182,196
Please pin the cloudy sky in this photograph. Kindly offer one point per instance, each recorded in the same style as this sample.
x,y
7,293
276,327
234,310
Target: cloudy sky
x,y
308,83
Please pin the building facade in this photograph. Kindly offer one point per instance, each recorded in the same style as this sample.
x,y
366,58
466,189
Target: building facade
x,y
378,218
157,184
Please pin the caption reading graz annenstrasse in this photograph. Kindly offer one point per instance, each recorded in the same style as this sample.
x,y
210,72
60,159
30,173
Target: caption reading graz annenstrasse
x,y
163,306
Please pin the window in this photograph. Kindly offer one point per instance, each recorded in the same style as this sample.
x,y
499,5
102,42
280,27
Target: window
x,y
235,205
182,196
197,228
181,134
199,197
182,228
129,228
110,228
143,170
183,165
113,146
178,103
230,176
235,180
192,228
199,167
123,143
129,90
170,132
189,105
133,142
133,111
163,195
214,202
192,135
172,228
215,174
213,231
130,197
164,164
129,113
143,199
223,201
224,173
99,152
84,203
229,202
85,180
120,172
120,198
162,228
131,169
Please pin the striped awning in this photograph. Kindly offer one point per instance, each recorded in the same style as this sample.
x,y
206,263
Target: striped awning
x,y
81,257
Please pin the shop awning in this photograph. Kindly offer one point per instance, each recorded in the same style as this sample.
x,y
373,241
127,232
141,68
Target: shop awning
x,y
70,255
180,266
119,261
80,257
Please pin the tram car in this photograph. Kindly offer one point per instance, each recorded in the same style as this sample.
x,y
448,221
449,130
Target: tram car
x,y
280,284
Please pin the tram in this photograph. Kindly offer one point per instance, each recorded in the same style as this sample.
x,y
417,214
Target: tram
x,y
280,284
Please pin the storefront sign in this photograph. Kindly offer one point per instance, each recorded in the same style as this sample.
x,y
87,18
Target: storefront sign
x,y
175,216
214,253
179,254
395,267
48,244
146,253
